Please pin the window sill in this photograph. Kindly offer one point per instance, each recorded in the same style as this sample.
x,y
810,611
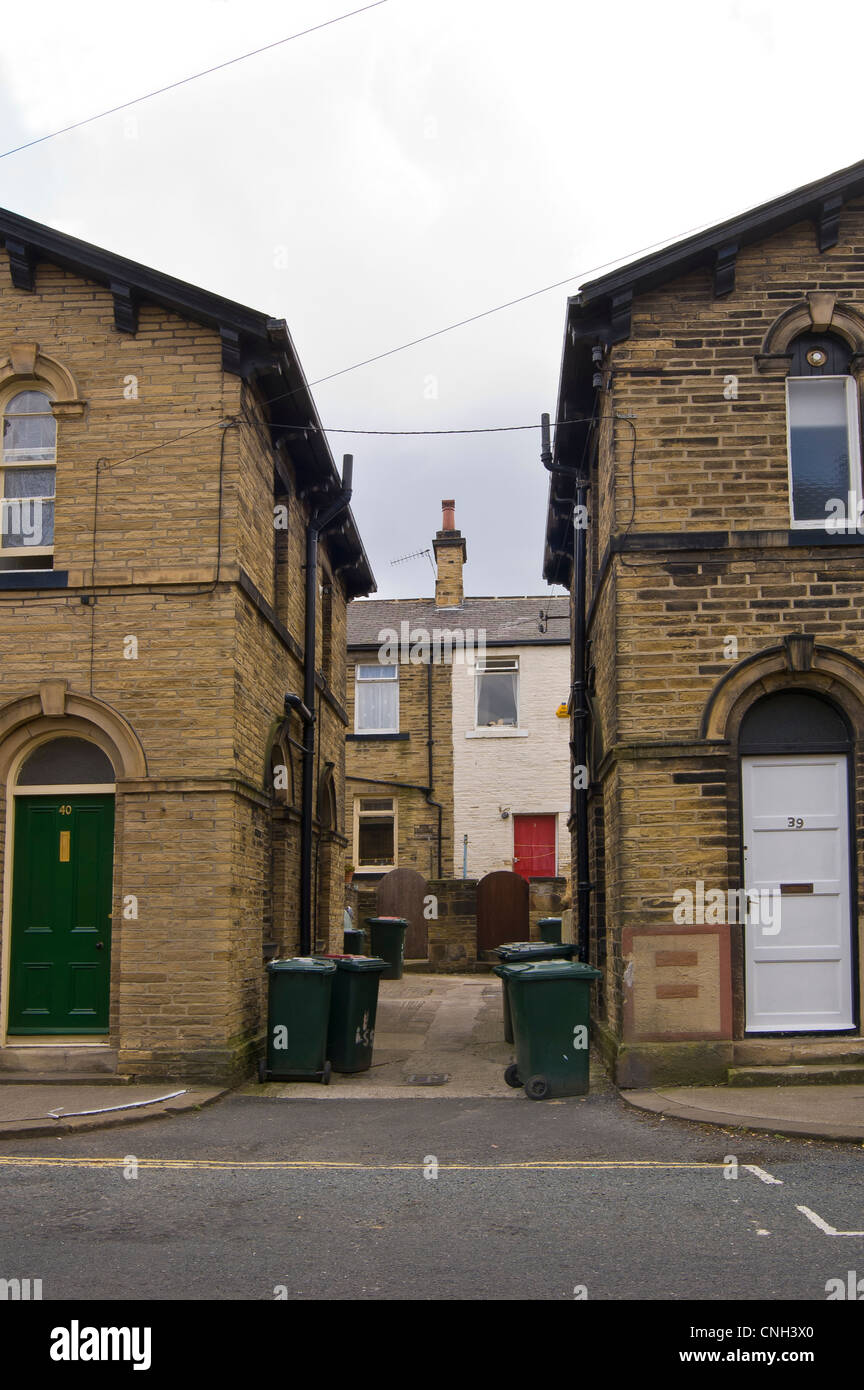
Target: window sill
x,y
817,535
380,738
34,579
497,733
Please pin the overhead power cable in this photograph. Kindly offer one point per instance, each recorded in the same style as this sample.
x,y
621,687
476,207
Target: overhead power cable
x,y
321,429
193,77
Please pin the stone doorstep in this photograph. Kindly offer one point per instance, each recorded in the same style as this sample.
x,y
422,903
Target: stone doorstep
x,y
64,1078
824,1074
818,1051
70,1060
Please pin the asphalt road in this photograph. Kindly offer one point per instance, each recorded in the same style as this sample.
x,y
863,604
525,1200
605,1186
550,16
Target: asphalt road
x,y
632,1207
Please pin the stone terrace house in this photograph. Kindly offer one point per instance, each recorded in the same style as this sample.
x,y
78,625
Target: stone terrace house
x,y
164,476
725,637
457,765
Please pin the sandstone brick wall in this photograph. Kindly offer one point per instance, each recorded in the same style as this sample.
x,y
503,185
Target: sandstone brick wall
x,y
406,761
213,863
662,616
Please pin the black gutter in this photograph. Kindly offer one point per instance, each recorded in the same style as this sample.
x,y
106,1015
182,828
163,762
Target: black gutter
x,y
317,522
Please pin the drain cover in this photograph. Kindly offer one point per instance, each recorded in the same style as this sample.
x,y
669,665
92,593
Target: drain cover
x,y
439,1078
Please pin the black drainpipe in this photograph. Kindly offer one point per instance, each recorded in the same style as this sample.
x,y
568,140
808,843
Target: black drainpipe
x,y
317,522
579,690
430,741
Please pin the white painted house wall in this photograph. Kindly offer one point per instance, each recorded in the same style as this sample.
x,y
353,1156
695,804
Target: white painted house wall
x,y
524,771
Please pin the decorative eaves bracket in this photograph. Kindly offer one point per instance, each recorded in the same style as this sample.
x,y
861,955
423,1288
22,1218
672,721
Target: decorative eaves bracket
x,y
724,269
22,264
828,228
622,308
125,307
231,354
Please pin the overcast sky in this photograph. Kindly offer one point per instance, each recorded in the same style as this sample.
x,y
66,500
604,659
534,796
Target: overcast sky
x,y
411,166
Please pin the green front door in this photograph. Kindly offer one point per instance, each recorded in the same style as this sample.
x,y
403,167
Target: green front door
x,y
61,914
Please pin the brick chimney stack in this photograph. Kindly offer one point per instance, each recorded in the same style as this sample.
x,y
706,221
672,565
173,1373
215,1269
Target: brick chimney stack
x,y
450,555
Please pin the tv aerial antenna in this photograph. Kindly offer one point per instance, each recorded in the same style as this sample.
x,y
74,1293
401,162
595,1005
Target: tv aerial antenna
x,y
416,555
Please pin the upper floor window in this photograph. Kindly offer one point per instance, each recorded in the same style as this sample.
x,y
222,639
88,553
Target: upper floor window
x,y
376,699
27,474
497,692
823,429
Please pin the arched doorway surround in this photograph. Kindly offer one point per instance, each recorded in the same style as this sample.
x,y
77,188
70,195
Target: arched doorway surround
x,y
61,754
792,718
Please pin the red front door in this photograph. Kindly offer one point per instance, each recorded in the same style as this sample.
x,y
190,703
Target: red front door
x,y
534,846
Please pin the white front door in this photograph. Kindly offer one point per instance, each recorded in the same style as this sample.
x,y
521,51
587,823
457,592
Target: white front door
x,y
796,840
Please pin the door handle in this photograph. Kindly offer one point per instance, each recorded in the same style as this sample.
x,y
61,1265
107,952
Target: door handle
x,y
99,945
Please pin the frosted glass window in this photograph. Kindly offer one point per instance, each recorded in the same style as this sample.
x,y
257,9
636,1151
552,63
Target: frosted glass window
x,y
823,444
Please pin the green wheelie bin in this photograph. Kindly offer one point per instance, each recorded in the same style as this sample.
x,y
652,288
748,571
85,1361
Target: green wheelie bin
x,y
551,1004
388,942
353,939
298,1011
525,951
353,1005
549,929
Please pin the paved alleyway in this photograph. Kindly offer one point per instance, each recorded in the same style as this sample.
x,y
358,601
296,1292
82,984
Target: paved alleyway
x,y
445,1028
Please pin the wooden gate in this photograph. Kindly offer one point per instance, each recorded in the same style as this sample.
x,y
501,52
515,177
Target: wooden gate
x,y
401,894
502,909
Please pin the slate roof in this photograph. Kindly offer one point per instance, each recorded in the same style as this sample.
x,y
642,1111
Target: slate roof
x,y
506,621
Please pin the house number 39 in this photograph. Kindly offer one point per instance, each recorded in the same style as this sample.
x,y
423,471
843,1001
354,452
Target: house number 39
x,y
795,822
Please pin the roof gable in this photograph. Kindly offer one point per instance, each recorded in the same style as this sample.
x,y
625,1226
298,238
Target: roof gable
x,y
256,347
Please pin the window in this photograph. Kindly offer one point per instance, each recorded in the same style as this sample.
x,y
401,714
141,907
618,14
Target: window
x,y
376,699
27,491
375,832
824,436
66,762
497,692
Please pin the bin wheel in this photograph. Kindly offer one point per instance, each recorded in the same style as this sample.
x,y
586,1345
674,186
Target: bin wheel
x,y
326,1074
262,1071
537,1087
511,1076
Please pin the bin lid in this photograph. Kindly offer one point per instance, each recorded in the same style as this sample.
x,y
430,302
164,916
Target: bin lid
x,y
310,964
512,950
391,921
344,961
538,970
547,921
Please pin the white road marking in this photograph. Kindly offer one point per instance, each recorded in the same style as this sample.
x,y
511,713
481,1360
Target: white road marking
x,y
823,1225
761,1174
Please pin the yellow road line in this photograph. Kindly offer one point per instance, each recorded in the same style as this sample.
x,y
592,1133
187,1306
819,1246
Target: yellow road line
x,y
312,1165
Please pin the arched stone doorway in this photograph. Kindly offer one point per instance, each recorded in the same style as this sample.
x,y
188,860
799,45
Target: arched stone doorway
x,y
61,754
797,811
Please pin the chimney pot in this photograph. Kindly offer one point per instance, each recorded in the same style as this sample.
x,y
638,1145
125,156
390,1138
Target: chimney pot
x,y
448,509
